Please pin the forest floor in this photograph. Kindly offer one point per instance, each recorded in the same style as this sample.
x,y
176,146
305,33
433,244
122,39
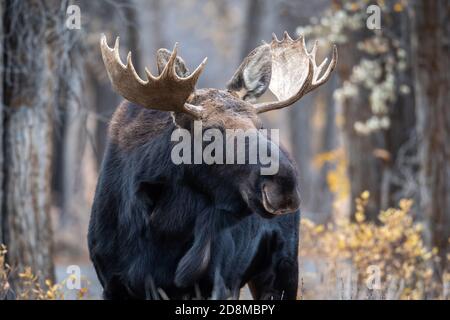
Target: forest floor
x,y
90,281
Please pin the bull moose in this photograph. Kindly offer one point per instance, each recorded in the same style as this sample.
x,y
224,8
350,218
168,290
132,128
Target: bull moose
x,y
160,229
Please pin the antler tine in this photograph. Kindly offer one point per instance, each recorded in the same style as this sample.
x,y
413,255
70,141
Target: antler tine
x,y
274,37
198,71
294,71
167,92
116,46
169,69
286,36
318,79
314,48
330,67
131,69
197,111
150,77
113,56
320,67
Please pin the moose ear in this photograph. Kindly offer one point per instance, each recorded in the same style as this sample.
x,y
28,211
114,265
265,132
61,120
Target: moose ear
x,y
252,78
162,57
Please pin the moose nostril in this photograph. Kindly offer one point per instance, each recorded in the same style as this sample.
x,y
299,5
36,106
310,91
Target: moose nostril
x,y
267,203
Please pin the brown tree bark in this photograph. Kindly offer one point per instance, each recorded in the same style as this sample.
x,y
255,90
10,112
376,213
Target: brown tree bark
x,y
431,51
2,110
27,144
365,171
88,105
373,160
27,189
252,26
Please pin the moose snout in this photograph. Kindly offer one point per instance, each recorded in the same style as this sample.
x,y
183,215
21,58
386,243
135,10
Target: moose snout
x,y
277,200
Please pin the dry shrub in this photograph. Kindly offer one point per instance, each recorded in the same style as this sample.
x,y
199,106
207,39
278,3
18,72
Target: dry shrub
x,y
4,273
342,260
29,285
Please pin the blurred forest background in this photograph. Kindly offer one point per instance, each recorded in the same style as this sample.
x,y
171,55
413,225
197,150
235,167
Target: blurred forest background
x,y
372,145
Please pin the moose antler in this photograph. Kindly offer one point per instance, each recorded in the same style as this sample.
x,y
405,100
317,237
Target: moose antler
x,y
166,92
294,71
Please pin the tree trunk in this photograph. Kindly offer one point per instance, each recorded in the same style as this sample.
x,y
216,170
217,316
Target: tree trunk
x,y
305,138
100,100
27,139
431,51
2,110
365,171
374,161
27,190
252,27
399,172
328,140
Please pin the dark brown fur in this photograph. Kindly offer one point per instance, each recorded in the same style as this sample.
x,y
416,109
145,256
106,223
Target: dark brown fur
x,y
192,227
133,127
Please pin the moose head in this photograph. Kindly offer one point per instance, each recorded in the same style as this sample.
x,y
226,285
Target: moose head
x,y
283,67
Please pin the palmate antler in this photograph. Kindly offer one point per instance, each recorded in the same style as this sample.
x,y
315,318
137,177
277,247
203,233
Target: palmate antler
x,y
166,92
294,71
